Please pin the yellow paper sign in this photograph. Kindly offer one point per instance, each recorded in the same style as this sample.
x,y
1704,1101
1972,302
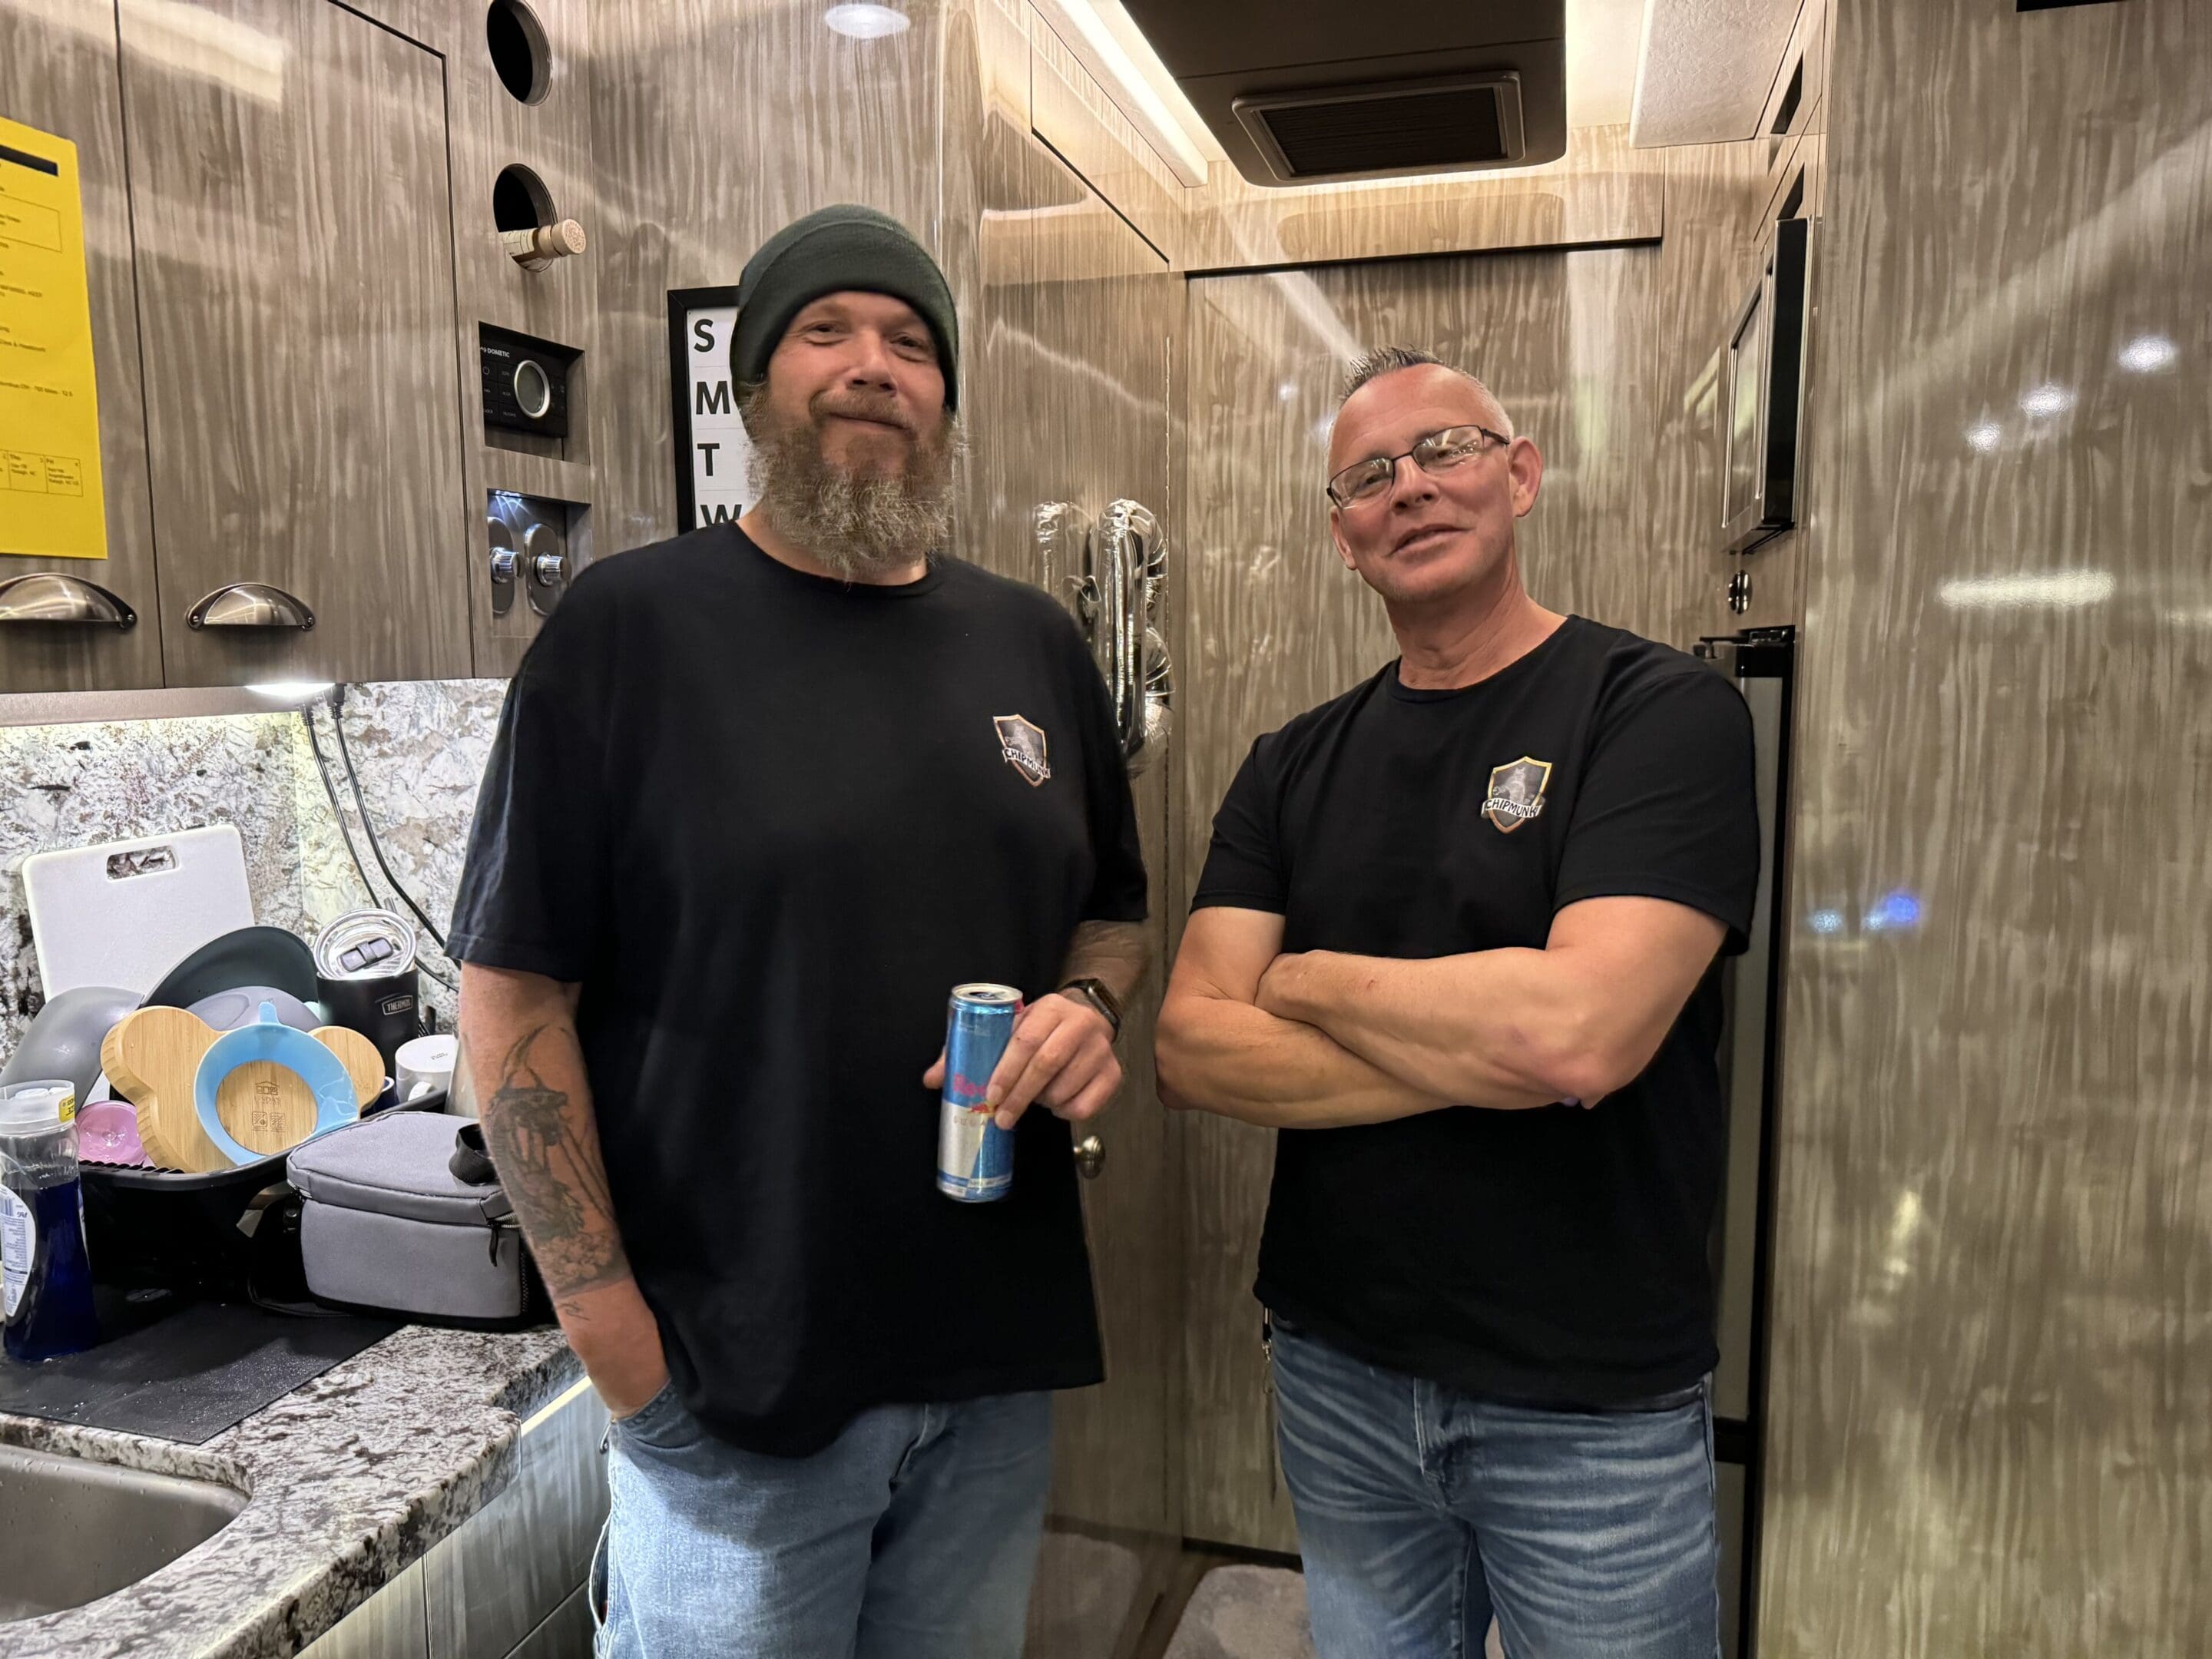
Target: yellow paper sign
x,y
51,504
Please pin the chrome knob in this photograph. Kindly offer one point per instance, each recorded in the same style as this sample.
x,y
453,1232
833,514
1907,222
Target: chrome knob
x,y
1090,1157
546,569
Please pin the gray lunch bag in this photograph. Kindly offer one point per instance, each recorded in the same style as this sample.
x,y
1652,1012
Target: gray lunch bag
x,y
385,1223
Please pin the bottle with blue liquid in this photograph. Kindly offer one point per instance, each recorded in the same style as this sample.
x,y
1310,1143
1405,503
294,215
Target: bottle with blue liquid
x,y
45,1272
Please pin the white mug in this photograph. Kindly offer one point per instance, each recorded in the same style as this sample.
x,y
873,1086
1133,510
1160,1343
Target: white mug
x,y
424,1064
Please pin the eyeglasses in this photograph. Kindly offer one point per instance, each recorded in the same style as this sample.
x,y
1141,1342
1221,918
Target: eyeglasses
x,y
1436,452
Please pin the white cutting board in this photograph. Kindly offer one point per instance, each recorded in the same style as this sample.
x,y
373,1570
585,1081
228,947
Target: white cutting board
x,y
127,912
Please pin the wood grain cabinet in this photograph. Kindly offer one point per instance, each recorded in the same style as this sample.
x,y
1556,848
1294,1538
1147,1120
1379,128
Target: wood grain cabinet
x,y
289,200
57,74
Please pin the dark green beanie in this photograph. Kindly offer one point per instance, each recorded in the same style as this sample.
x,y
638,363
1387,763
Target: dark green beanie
x,y
833,251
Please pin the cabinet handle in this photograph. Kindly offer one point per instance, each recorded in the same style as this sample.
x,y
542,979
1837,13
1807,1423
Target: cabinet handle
x,y
1090,1157
251,604
46,597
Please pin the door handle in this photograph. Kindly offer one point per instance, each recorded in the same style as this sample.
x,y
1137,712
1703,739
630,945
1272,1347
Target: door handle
x,y
1090,1157
47,597
251,604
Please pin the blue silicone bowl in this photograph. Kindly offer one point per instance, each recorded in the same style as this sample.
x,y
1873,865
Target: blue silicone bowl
x,y
269,1038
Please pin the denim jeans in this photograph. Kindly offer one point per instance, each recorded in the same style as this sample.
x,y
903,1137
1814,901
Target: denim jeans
x,y
911,1537
1422,1511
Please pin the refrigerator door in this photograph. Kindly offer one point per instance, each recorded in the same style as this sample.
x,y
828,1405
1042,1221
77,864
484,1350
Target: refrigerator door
x,y
1761,662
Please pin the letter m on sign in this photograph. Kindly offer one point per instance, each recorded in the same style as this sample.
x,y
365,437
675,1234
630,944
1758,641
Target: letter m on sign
x,y
713,399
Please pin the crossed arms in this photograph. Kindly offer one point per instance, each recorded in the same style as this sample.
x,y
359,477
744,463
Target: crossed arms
x,y
1320,1040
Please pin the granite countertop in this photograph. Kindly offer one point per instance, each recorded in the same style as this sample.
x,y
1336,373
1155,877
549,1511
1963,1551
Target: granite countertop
x,y
350,1480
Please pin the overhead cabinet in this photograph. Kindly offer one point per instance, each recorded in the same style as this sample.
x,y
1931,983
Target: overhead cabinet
x,y
290,206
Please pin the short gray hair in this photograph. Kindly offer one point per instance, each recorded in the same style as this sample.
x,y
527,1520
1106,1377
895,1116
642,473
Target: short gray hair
x,y
1373,364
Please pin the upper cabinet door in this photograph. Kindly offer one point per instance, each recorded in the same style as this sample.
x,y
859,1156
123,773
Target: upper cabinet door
x,y
58,75
289,190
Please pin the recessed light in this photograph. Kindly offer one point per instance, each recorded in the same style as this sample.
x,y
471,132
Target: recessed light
x,y
1986,436
2049,398
2146,354
866,22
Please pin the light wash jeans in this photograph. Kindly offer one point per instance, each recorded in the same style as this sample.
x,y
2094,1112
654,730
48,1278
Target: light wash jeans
x,y
1422,1511
913,1535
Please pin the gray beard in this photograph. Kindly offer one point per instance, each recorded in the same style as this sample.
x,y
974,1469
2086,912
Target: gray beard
x,y
860,529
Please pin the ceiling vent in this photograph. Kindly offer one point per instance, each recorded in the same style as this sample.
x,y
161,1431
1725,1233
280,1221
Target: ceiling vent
x,y
1465,121
1303,92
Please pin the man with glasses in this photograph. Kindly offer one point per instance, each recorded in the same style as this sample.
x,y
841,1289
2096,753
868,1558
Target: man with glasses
x,y
1453,939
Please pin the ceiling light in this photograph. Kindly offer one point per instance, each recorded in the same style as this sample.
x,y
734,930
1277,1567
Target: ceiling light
x,y
866,22
2049,398
1984,435
2146,354
2062,589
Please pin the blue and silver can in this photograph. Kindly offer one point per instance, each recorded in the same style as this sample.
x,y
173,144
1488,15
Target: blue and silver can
x,y
974,1157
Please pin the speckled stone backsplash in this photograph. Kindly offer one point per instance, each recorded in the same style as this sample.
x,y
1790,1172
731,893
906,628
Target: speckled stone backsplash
x,y
419,748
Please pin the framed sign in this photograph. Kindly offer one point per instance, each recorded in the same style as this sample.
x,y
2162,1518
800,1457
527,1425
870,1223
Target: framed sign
x,y
1763,396
713,457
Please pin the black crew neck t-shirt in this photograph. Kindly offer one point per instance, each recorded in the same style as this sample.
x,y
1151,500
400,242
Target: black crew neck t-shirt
x,y
1555,1256
768,821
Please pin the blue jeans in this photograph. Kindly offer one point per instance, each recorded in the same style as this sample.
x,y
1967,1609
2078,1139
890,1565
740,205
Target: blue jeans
x,y
913,1535
1423,1511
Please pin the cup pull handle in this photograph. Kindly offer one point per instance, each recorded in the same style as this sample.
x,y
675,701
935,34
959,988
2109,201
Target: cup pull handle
x,y
251,604
47,597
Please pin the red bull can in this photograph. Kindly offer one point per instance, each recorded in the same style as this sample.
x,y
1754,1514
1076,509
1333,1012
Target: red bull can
x,y
974,1157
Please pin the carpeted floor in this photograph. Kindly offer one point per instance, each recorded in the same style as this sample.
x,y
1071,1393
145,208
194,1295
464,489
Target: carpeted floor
x,y
1245,1613
1240,1612
1084,1590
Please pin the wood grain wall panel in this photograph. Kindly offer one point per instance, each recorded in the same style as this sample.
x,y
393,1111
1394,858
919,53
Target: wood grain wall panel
x,y
289,191
1602,191
716,123
1600,356
1070,113
1992,1392
1071,347
58,73
1704,267
491,129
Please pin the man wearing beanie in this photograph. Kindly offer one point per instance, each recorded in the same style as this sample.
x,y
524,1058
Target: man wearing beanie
x,y
761,796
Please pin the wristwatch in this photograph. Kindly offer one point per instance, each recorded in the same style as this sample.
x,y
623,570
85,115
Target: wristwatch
x,y
1096,993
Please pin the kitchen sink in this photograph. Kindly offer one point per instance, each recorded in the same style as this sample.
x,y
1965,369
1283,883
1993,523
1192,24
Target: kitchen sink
x,y
73,1530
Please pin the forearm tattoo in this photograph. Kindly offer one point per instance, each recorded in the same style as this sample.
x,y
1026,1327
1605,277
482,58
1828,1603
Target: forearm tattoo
x,y
547,1150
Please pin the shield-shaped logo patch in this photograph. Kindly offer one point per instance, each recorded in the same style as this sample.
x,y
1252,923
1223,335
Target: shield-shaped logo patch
x,y
1021,743
1516,792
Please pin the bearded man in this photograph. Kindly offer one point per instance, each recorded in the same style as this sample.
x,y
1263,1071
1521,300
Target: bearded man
x,y
761,796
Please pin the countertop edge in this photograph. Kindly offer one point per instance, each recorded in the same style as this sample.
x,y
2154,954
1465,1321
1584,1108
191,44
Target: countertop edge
x,y
351,1479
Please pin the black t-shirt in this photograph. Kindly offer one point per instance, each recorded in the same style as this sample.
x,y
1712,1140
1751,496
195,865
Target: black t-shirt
x,y
769,821
1556,1256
